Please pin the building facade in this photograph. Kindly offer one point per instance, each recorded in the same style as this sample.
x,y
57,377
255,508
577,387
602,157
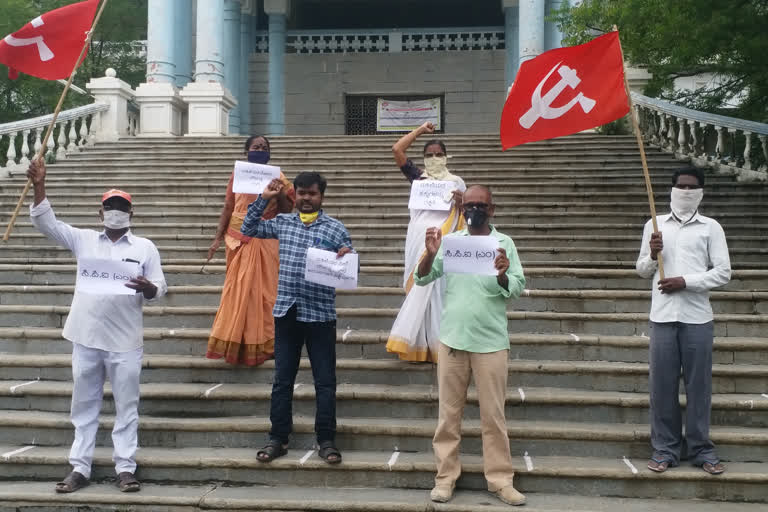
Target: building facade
x,y
310,67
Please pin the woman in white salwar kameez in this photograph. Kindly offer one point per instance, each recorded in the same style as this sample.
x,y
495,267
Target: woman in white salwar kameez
x,y
415,333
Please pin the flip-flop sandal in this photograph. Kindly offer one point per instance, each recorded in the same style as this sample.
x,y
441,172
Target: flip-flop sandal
x,y
658,466
271,451
329,453
73,482
713,468
126,482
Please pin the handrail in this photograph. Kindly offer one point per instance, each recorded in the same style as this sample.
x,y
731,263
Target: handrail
x,y
67,115
702,117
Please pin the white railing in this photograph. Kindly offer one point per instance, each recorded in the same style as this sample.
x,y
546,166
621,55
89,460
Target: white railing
x,y
73,130
726,143
393,41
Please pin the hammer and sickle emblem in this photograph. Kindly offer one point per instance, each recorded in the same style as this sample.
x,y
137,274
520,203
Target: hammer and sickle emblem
x,y
541,107
42,49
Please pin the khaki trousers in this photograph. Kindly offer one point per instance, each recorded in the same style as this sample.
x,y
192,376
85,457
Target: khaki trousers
x,y
490,374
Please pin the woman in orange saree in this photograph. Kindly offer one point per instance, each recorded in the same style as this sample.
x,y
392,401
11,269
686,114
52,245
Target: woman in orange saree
x,y
244,331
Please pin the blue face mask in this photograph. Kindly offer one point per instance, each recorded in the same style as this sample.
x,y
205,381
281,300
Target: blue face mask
x,y
258,157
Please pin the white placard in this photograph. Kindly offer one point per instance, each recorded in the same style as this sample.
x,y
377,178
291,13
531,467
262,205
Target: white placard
x,y
253,178
404,116
105,277
470,254
323,267
432,195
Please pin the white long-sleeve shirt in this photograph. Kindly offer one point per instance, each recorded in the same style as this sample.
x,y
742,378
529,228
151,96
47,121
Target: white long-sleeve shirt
x,y
107,322
698,252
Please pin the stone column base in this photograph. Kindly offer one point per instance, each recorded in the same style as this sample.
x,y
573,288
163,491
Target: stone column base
x,y
209,105
160,109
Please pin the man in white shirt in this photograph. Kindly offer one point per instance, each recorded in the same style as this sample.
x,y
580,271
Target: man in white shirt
x,y
695,255
106,331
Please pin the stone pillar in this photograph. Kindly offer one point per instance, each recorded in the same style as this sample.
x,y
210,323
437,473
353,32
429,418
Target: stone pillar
x,y
232,63
158,99
278,13
531,34
247,39
552,35
111,91
511,16
161,55
183,41
208,100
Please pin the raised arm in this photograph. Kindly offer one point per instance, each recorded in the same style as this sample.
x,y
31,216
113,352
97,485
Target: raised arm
x,y
402,145
41,212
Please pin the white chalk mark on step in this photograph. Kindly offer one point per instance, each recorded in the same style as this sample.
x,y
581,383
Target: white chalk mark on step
x,y
528,462
630,465
296,386
522,394
526,293
764,395
17,386
393,459
344,337
171,332
8,455
211,390
575,338
306,456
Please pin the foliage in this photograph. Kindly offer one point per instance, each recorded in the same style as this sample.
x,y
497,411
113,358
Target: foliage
x,y
113,45
682,38
617,127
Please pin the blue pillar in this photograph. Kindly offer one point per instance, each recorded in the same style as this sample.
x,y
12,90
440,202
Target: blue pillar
x,y
161,65
244,97
531,29
209,62
182,26
232,61
553,35
276,75
511,16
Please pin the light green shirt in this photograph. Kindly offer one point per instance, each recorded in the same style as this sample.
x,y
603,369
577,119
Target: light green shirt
x,y
475,306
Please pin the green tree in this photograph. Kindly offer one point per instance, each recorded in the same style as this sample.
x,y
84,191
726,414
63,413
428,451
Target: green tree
x,y
678,38
115,44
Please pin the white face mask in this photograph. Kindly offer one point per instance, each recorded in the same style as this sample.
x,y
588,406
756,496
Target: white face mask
x,y
436,168
115,219
684,203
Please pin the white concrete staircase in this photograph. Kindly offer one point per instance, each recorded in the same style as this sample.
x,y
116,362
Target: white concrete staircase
x,y
577,402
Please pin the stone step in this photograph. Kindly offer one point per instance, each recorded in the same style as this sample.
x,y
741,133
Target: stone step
x,y
565,278
538,438
587,476
524,403
154,498
595,375
355,344
565,301
740,325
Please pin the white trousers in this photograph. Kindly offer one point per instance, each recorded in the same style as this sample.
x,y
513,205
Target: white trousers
x,y
90,368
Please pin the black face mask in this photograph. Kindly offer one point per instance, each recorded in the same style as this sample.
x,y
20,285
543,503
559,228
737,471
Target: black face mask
x,y
475,216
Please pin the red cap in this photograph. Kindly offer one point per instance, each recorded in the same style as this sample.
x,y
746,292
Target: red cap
x,y
116,193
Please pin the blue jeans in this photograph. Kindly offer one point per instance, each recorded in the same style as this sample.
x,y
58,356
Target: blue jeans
x,y
290,336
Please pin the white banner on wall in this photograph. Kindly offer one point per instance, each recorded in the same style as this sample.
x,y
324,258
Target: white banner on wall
x,y
404,116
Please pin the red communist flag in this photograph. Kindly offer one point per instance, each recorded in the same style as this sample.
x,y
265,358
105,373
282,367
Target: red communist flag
x,y
48,46
565,91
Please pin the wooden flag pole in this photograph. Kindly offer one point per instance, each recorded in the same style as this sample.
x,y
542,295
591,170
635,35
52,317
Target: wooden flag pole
x,y
641,147
49,130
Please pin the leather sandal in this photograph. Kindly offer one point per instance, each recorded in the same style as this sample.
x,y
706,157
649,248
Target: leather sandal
x,y
272,450
658,466
73,482
713,468
329,453
126,482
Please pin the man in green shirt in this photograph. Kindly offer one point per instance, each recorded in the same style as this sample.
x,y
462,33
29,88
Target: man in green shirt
x,y
474,341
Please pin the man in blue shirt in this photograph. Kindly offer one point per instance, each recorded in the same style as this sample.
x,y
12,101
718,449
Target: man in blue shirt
x,y
304,312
